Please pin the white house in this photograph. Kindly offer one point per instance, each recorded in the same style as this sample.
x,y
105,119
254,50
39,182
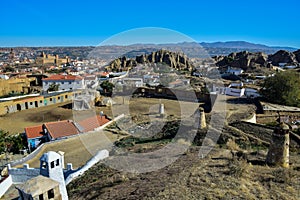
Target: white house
x,y
4,76
133,82
235,71
91,81
234,89
65,82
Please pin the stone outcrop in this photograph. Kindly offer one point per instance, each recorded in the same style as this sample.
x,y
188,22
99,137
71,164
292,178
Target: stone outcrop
x,y
283,56
297,55
243,60
247,60
175,60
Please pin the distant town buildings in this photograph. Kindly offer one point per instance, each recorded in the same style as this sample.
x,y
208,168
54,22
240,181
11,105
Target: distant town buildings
x,y
16,85
50,59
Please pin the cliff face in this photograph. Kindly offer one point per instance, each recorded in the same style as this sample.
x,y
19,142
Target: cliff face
x,y
244,60
283,56
247,60
297,55
174,60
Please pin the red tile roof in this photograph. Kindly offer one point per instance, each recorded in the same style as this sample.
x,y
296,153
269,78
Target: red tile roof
x,y
61,129
104,74
34,131
63,77
89,124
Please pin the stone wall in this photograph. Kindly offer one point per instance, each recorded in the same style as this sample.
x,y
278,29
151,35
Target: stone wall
x,y
21,175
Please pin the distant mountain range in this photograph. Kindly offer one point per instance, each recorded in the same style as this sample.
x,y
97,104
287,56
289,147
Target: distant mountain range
x,y
243,45
191,49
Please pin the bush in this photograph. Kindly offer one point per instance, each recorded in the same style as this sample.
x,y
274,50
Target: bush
x,y
11,143
283,88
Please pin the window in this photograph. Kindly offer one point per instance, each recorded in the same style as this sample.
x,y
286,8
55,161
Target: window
x,y
52,164
44,165
62,83
58,98
51,194
30,103
50,99
70,82
41,101
41,197
66,96
57,162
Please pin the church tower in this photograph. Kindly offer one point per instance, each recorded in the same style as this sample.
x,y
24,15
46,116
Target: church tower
x,y
51,165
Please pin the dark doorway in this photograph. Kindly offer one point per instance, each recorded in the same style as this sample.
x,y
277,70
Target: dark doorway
x,y
36,104
19,107
26,105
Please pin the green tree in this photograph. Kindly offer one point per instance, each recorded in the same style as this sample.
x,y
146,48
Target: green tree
x,y
16,143
53,87
283,88
11,143
3,136
107,87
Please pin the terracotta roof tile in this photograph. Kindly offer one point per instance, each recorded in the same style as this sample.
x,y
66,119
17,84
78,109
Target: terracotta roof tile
x,y
61,129
63,77
89,124
34,131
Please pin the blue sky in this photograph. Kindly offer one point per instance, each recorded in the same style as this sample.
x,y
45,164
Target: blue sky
x,y
89,22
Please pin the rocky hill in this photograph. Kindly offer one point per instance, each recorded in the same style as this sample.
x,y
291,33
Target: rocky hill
x,y
248,60
175,60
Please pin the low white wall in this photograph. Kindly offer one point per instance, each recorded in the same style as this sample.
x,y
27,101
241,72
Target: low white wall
x,y
109,123
99,156
5,185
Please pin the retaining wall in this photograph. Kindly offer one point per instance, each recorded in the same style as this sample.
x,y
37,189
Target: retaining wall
x,y
99,156
5,185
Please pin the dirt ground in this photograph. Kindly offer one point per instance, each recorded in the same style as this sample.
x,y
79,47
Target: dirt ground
x,y
216,176
78,150
141,109
16,122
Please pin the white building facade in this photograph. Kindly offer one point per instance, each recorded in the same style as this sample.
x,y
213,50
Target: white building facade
x,y
65,82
